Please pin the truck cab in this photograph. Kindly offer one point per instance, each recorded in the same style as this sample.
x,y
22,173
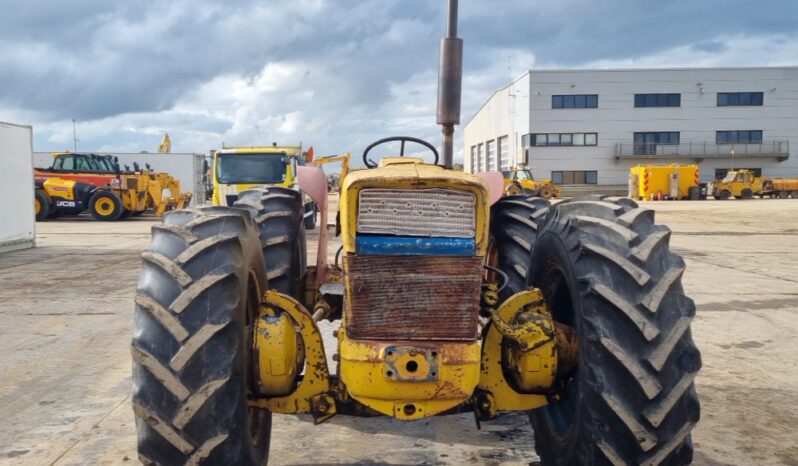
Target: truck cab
x,y
236,169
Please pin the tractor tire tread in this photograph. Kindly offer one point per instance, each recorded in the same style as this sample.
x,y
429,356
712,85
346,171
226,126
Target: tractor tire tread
x,y
189,394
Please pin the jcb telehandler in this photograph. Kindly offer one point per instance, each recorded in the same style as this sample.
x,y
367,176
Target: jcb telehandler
x,y
451,298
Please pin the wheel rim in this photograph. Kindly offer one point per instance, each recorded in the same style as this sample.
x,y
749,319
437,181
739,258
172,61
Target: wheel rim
x,y
37,206
563,413
258,420
104,206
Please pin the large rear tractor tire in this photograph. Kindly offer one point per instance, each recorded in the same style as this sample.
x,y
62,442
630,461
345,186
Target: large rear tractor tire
x,y
198,294
606,270
746,194
41,206
514,226
278,213
105,206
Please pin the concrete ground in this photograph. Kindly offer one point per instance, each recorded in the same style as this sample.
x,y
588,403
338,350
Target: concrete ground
x,y
65,363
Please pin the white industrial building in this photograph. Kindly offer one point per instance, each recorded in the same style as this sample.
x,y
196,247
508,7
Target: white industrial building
x,y
591,126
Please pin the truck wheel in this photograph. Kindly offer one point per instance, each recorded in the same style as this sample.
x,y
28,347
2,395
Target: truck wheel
x,y
105,205
41,206
310,220
606,270
746,194
514,223
278,213
198,294
546,192
514,189
795,194
724,195
782,194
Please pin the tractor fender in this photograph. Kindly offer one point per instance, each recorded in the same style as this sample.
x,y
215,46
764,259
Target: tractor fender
x,y
494,181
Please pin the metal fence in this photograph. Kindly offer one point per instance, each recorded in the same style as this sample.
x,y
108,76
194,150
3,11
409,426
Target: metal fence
x,y
772,149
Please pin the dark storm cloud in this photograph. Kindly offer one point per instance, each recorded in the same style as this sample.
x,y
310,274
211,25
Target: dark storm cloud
x,y
568,33
352,70
95,59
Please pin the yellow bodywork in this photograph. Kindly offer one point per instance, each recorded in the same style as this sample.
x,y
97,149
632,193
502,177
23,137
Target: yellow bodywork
x,y
410,173
507,369
59,187
220,190
651,180
735,182
534,369
375,374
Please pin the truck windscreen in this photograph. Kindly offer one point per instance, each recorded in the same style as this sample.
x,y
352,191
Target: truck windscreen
x,y
250,168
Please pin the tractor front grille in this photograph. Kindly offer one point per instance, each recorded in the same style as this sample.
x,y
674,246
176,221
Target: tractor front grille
x,y
417,212
390,297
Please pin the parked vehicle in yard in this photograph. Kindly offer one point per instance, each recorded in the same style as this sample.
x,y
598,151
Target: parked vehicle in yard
x,y
236,169
77,182
451,298
519,180
740,184
781,188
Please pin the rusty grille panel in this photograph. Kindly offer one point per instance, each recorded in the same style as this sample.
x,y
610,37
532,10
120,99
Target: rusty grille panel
x,y
412,297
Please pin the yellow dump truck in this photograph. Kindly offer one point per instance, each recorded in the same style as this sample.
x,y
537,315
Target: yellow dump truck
x,y
236,169
662,181
781,188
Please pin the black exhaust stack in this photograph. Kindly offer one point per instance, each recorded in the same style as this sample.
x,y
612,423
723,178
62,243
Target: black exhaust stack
x,y
450,82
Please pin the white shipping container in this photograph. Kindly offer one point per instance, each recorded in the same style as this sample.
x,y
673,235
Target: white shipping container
x,y
186,167
18,228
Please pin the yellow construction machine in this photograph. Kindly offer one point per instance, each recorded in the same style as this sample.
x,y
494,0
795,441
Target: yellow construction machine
x,y
236,169
334,180
519,180
742,184
450,298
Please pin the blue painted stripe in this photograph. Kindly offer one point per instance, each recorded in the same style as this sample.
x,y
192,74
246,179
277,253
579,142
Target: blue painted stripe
x,y
408,245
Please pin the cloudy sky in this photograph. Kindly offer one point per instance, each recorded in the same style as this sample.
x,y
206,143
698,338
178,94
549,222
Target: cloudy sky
x,y
335,74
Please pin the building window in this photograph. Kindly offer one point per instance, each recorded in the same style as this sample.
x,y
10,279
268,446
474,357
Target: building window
x,y
480,159
646,143
721,173
658,100
474,159
564,139
574,101
574,177
729,99
739,137
490,154
504,153
526,140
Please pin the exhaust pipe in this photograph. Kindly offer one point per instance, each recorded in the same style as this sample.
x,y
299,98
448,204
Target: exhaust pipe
x,y
450,82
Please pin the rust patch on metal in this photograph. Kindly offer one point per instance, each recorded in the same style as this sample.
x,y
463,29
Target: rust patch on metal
x,y
412,297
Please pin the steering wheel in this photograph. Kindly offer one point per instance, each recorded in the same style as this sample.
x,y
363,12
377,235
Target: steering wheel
x,y
372,164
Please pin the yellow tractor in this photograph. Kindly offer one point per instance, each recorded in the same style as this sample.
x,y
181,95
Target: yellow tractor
x,y
450,298
742,184
519,180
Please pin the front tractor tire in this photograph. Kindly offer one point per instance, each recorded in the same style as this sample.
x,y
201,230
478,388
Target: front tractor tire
x,y
197,297
606,270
